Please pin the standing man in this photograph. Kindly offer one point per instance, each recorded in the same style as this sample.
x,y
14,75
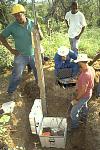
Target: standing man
x,y
65,69
85,84
23,52
76,24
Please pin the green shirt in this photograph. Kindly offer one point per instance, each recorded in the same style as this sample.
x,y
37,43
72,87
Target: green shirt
x,y
21,35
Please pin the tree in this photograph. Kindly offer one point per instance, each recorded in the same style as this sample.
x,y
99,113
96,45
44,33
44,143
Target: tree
x,y
4,11
90,8
23,2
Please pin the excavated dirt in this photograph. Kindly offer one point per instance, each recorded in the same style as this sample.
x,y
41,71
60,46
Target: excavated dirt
x,y
18,135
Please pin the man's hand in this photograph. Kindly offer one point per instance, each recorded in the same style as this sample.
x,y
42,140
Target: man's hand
x,y
15,52
74,102
63,58
77,37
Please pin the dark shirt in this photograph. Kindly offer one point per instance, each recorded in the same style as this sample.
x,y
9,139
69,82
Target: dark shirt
x,y
60,64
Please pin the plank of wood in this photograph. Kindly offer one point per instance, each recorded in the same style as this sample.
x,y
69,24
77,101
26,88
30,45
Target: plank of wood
x,y
40,73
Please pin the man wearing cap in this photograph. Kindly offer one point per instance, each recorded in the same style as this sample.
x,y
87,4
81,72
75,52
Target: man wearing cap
x,y
76,23
85,84
64,59
23,52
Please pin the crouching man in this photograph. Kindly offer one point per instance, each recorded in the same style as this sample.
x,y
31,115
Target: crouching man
x,y
65,67
85,84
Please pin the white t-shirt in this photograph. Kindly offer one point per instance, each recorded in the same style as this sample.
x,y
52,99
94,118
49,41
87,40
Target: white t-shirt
x,y
76,22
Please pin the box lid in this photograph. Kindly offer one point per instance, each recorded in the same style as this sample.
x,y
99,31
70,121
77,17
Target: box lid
x,y
36,115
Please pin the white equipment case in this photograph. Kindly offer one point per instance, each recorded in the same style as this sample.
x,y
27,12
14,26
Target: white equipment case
x,y
51,130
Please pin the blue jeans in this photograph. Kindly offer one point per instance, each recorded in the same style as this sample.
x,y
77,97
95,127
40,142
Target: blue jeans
x,y
75,69
20,63
80,108
74,43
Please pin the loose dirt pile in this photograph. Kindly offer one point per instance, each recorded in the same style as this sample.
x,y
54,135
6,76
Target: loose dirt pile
x,y
18,134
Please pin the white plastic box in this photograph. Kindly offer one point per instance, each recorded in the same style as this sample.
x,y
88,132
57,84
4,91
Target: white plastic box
x,y
57,126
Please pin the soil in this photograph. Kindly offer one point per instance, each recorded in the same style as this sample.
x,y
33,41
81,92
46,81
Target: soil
x,y
18,135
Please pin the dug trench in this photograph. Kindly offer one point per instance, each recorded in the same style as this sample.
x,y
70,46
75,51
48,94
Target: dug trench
x,y
18,135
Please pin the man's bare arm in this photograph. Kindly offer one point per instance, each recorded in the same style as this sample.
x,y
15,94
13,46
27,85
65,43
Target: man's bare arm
x,y
67,23
6,44
83,28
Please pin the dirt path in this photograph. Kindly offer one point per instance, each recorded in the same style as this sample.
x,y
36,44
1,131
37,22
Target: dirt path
x,y
19,135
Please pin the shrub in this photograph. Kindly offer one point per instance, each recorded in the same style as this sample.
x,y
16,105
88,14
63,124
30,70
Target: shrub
x,y
5,57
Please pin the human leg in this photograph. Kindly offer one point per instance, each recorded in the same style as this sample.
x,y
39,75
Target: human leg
x,y
74,44
32,64
19,65
84,113
71,43
75,112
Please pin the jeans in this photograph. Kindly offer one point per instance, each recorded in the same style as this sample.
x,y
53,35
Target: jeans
x,y
75,69
20,63
79,109
74,43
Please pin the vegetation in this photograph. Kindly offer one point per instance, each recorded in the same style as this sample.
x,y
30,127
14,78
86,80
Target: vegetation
x,y
51,18
90,42
5,57
4,120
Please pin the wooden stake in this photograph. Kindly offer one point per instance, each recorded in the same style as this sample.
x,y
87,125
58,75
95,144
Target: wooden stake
x,y
40,73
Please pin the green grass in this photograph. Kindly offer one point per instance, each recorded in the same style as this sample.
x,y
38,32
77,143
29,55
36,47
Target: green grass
x,y
89,42
51,44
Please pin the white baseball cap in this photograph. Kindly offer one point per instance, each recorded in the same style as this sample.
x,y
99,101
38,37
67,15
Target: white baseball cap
x,y
63,51
82,58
